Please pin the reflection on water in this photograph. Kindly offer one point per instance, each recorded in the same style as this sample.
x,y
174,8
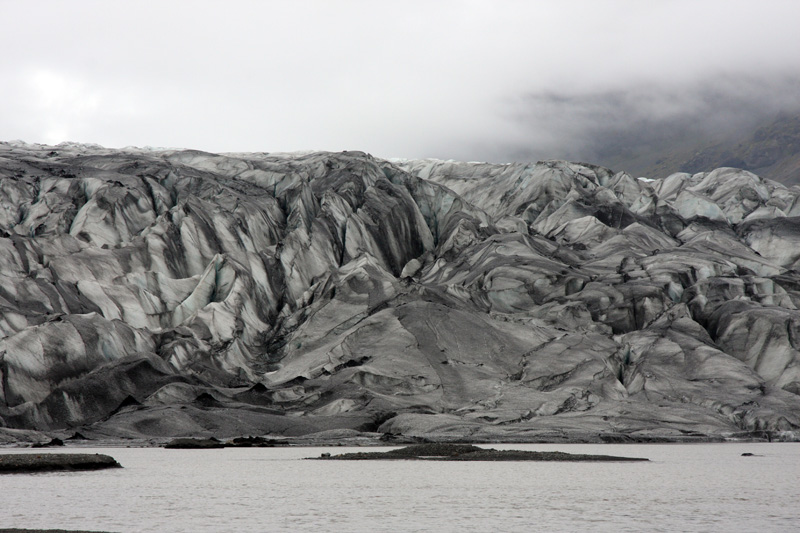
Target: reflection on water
x,y
691,487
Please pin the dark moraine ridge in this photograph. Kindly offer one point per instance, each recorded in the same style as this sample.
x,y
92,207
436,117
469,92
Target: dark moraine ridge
x,y
467,452
49,462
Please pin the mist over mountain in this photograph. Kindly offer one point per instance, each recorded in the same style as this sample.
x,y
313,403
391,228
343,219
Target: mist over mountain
x,y
163,293
655,130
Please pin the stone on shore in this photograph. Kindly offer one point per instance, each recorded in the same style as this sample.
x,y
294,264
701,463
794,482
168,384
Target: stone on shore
x,y
50,462
467,452
194,444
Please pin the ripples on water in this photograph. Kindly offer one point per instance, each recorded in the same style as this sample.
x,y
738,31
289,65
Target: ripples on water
x,y
692,487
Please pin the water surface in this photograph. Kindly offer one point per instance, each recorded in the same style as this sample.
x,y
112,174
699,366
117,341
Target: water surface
x,y
689,487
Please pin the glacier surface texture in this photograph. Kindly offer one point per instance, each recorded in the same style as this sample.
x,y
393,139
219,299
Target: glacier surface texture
x,y
156,294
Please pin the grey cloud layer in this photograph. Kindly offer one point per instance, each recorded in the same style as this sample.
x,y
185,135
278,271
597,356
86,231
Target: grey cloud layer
x,y
593,126
419,79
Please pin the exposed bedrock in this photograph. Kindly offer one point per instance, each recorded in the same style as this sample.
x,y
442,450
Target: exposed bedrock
x,y
181,293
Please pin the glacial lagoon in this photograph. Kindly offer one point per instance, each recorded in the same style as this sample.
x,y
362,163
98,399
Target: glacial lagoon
x,y
686,487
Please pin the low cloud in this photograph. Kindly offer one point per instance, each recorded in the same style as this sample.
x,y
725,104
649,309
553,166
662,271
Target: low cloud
x,y
479,79
593,126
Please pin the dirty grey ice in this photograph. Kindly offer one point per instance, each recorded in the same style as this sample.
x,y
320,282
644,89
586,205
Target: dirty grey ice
x,y
164,293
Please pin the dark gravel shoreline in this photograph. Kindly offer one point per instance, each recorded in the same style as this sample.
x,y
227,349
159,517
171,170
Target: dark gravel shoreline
x,y
466,452
16,530
52,462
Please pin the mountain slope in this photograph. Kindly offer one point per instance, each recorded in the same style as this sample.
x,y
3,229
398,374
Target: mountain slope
x,y
172,293
771,150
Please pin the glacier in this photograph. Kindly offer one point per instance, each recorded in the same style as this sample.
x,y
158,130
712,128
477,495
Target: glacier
x,y
158,293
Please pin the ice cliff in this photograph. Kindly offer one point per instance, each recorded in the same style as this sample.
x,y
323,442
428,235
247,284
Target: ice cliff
x,y
171,293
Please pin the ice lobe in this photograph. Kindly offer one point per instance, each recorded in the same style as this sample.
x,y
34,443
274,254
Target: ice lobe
x,y
180,293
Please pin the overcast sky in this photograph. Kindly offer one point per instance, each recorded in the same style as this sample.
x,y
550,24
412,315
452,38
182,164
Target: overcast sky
x,y
472,80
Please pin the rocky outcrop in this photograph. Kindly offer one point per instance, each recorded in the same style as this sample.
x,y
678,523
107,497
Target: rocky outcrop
x,y
52,462
188,294
466,452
